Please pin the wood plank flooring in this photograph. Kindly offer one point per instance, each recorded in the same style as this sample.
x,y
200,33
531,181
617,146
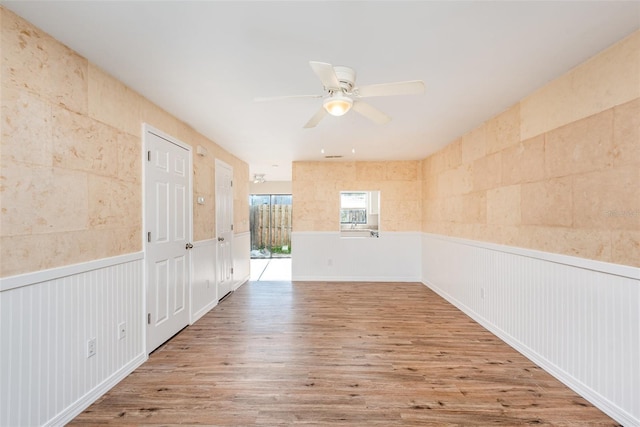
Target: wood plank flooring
x,y
338,354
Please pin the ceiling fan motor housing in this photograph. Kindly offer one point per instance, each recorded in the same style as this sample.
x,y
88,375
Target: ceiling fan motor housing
x,y
346,76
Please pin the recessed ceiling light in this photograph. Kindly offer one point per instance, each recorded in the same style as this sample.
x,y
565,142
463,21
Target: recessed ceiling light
x,y
353,150
322,151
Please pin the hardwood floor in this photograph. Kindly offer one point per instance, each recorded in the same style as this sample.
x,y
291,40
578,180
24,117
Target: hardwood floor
x,y
339,354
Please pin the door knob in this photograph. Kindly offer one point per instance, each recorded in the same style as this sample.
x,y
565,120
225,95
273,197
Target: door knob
x,y
220,239
188,246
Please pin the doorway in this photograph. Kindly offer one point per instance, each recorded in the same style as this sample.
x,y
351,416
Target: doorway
x,y
167,207
270,228
270,225
224,227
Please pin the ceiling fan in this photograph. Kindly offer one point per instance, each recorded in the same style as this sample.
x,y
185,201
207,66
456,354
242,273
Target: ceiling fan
x,y
341,94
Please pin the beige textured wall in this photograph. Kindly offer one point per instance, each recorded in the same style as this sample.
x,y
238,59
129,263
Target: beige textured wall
x,y
558,172
317,186
270,187
70,157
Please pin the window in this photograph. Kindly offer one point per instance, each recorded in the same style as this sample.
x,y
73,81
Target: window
x,y
353,207
359,212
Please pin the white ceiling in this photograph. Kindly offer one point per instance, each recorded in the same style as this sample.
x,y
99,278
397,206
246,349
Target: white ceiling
x,y
205,61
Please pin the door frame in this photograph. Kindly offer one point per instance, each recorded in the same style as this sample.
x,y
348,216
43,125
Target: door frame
x,y
271,196
146,130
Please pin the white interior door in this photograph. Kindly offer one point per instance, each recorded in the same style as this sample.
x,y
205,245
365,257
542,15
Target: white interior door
x,y
168,226
224,227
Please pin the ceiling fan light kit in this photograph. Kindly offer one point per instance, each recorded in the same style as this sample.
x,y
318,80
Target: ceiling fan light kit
x,y
337,104
341,93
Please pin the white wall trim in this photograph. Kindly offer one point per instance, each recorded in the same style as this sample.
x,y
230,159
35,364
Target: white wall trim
x,y
85,401
404,279
206,242
28,279
584,263
337,233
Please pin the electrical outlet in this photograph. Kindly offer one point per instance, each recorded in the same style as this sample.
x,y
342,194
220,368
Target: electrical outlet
x,y
329,262
91,347
122,330
481,293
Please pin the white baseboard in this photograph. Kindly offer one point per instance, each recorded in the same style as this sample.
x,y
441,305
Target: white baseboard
x,y
356,279
85,401
240,282
204,310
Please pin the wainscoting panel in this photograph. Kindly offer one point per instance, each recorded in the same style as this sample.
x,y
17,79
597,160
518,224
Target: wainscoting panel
x,y
319,256
46,321
204,292
241,258
578,319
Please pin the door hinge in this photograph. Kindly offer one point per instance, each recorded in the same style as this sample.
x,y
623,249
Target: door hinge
x,y
232,183
231,270
149,237
231,227
148,318
148,156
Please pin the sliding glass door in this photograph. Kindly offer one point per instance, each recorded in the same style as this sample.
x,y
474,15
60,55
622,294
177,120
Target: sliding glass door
x,y
270,225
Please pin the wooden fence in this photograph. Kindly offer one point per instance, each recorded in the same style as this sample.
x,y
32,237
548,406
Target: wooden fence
x,y
279,221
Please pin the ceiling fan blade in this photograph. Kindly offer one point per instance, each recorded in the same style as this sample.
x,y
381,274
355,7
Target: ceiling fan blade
x,y
326,73
371,112
319,115
412,87
276,98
